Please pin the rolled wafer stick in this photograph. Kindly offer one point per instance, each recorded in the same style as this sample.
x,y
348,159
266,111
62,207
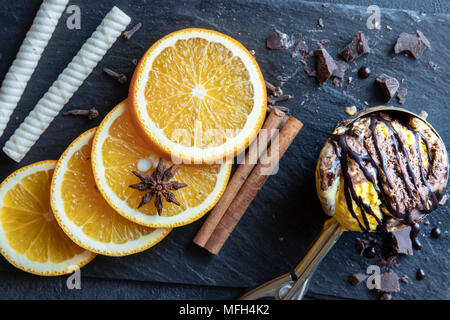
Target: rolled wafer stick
x,y
28,57
256,149
67,84
252,186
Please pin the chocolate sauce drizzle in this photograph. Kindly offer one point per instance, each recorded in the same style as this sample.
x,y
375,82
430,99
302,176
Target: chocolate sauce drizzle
x,y
408,177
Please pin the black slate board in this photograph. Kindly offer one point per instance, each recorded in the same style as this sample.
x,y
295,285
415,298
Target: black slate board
x,y
285,218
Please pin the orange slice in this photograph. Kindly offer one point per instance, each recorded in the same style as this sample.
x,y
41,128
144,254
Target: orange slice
x,y
198,95
30,237
83,213
118,149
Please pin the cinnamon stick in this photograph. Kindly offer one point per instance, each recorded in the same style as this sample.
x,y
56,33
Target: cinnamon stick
x,y
252,186
256,149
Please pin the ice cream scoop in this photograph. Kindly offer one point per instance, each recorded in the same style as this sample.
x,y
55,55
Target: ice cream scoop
x,y
384,168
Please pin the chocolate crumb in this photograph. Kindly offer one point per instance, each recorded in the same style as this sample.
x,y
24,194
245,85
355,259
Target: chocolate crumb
x,y
405,279
426,222
325,5
388,85
365,102
301,46
320,23
413,44
356,278
423,114
433,65
401,95
277,40
134,61
389,28
252,52
310,71
357,47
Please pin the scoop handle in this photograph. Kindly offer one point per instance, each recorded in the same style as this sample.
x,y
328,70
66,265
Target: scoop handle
x,y
305,269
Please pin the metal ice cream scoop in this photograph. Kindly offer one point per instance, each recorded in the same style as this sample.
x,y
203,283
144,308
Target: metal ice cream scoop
x,y
294,285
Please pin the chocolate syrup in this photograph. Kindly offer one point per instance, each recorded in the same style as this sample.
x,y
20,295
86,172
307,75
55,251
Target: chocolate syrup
x,y
408,176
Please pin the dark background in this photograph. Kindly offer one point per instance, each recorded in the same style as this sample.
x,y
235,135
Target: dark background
x,y
285,218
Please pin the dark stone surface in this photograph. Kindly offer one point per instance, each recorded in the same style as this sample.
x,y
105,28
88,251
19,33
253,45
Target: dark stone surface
x,y
286,217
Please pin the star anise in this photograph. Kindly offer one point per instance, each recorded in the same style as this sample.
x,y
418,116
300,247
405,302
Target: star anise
x,y
159,185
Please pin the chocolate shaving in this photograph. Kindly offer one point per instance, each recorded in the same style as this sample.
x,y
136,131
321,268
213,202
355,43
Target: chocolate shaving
x,y
277,40
413,44
388,85
356,48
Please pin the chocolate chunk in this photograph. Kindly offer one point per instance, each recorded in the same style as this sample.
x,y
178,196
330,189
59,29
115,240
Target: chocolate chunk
x,y
413,44
356,48
388,85
325,65
436,233
338,73
356,278
401,95
277,40
401,241
420,274
389,282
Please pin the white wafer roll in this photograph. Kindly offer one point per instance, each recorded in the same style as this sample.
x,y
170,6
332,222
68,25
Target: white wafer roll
x,y
67,84
27,58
